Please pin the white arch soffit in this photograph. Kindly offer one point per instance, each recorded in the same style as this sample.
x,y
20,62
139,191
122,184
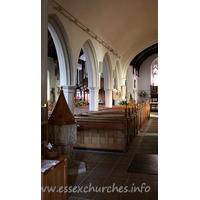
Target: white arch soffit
x,y
89,69
117,68
108,67
62,44
91,64
105,75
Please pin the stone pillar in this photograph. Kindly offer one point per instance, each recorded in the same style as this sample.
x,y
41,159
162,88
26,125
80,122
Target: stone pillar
x,y
68,91
79,68
128,96
94,97
108,98
44,45
123,81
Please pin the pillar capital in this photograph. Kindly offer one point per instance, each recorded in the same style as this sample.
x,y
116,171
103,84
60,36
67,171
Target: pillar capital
x,y
93,88
108,90
68,87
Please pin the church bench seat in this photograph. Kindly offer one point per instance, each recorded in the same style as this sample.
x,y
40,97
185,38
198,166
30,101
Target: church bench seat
x,y
110,129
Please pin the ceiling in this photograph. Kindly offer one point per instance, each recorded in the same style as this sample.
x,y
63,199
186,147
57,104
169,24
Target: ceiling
x,y
120,23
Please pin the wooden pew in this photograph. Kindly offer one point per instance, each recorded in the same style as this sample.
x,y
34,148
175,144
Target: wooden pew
x,y
98,131
110,129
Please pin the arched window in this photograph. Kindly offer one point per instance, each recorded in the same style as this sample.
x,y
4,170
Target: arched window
x,y
155,74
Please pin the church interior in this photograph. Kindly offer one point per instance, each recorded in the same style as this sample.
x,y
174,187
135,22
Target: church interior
x,y
100,98
98,105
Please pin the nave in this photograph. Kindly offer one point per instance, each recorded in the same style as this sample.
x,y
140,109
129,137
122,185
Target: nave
x,y
106,168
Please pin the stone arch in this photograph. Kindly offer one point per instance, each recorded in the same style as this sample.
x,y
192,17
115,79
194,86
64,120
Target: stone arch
x,y
118,74
107,72
93,73
63,49
91,64
108,79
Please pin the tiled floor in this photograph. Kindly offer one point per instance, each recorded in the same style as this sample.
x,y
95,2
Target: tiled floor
x,y
106,169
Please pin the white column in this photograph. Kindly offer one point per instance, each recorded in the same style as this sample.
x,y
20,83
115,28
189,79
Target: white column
x,y
68,91
108,98
44,45
79,67
128,96
100,71
123,81
94,97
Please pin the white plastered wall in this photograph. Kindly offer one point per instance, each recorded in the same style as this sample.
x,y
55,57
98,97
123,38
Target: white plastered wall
x,y
145,77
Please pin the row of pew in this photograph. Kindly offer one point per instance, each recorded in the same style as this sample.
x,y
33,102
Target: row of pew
x,y
111,128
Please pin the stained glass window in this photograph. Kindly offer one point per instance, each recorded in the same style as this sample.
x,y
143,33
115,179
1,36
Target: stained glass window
x,y
155,75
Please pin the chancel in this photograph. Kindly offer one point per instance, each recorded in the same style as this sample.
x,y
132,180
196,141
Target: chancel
x,y
99,94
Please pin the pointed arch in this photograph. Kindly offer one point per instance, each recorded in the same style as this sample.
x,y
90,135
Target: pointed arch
x,y
63,49
118,74
91,64
107,72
